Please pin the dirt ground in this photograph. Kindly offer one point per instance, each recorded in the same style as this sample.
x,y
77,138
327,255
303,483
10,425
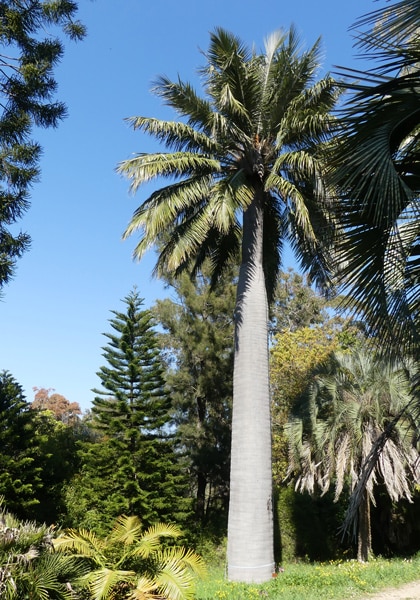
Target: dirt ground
x,y
408,591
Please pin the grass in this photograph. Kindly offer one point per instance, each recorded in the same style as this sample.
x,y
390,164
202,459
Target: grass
x,y
335,580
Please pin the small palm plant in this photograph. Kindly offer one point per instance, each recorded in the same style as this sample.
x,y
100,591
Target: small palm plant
x,y
334,427
133,564
29,567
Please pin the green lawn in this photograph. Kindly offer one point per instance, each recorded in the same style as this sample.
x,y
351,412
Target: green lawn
x,y
336,580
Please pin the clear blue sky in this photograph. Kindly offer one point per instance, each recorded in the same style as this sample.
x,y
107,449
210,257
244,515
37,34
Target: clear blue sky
x,y
54,312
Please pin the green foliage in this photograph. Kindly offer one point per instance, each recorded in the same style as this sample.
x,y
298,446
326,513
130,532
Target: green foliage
x,y
27,89
306,329
131,466
20,479
57,460
198,346
335,425
28,566
307,526
38,456
296,304
133,563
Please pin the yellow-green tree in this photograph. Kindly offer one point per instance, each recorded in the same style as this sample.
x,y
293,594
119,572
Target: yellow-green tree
x,y
293,357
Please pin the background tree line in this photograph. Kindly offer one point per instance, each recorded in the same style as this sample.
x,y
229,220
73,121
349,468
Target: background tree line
x,y
159,427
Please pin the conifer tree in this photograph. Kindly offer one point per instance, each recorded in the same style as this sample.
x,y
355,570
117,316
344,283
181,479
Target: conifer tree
x,y
134,456
28,54
19,477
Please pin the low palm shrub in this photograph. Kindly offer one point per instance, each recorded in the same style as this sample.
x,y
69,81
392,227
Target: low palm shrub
x,y
131,563
29,567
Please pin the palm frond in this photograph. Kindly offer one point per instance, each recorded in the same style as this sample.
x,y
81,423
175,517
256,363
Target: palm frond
x,y
225,148
175,135
126,530
398,21
82,542
146,167
178,570
151,538
146,589
187,103
105,584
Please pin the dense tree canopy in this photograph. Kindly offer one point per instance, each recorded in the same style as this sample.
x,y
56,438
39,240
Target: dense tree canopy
x,y
20,480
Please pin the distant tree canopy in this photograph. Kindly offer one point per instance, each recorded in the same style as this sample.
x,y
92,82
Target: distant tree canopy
x,y
296,304
62,409
28,55
305,331
38,455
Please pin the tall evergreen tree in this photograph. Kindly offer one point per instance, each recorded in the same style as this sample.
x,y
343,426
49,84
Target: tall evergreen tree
x,y
197,338
19,476
28,56
134,456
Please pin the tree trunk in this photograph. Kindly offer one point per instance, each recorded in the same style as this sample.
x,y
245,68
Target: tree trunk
x,y
200,509
250,525
364,537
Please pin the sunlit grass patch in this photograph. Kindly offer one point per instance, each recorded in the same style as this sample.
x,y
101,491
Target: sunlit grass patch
x,y
335,580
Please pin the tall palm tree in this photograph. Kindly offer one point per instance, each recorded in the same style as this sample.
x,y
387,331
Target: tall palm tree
x,y
244,177
132,563
377,169
333,428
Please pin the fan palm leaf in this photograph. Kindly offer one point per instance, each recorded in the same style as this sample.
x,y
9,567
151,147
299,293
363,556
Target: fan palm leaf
x,y
377,173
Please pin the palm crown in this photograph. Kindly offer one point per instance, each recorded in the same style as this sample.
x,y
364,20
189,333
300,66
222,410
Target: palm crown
x,y
259,126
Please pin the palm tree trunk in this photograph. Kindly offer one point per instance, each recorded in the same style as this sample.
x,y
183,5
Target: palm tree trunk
x,y
250,524
364,537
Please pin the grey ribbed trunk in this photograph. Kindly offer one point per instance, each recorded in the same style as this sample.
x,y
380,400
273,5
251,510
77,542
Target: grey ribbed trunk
x,y
250,525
